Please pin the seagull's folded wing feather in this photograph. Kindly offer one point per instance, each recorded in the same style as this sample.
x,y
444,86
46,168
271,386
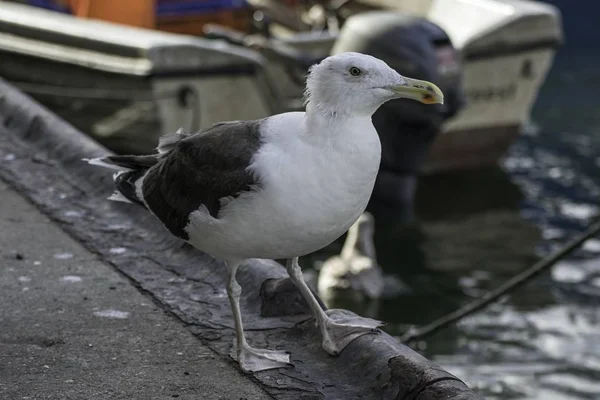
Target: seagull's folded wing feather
x,y
200,171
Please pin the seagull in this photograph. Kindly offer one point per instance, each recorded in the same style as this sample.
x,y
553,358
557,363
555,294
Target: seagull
x,y
279,187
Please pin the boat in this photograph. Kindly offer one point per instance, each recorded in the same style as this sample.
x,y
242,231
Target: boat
x,y
126,85
507,48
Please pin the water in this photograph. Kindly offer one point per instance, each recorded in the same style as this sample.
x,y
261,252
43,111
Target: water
x,y
476,230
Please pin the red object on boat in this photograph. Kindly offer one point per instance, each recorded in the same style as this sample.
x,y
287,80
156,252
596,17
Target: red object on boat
x,y
139,13
178,16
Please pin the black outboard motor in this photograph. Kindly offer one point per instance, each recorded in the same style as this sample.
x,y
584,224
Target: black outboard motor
x,y
419,49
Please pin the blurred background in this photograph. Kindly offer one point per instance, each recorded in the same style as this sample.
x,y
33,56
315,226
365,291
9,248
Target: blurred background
x,y
469,193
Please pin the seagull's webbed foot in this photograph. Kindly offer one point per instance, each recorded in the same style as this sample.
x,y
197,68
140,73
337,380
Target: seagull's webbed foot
x,y
254,360
339,329
337,326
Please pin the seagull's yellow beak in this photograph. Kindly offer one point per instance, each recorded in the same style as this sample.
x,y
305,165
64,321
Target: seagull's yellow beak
x,y
423,91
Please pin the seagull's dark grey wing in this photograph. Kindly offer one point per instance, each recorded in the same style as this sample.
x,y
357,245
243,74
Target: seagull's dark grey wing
x,y
200,170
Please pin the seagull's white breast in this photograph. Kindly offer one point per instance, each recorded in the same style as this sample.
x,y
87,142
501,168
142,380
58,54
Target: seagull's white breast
x,y
315,181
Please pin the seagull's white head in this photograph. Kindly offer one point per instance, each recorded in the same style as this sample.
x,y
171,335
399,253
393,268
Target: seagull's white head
x,y
358,84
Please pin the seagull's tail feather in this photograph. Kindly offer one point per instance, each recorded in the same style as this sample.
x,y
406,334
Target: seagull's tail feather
x,y
168,142
131,169
128,185
118,196
128,178
125,163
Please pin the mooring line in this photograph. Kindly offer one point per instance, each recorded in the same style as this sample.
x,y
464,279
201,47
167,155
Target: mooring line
x,y
518,280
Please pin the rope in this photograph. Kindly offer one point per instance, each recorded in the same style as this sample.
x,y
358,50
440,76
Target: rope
x,y
509,286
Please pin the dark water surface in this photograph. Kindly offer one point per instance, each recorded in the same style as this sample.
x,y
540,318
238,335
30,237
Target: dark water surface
x,y
476,230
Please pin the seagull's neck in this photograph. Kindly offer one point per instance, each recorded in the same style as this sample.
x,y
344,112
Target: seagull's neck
x,y
337,111
348,144
334,123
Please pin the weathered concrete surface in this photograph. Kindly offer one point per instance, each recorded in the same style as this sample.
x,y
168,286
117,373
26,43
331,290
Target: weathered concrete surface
x,y
73,328
42,158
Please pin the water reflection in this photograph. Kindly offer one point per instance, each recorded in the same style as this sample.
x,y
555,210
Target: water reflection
x,y
551,353
469,235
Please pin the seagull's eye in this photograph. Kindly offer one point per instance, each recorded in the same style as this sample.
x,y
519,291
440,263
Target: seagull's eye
x,y
355,71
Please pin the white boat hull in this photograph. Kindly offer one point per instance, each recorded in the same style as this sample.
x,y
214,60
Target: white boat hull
x,y
500,93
